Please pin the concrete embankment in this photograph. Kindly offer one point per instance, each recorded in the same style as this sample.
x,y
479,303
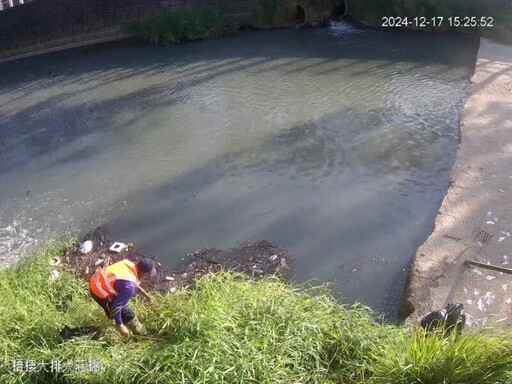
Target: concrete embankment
x,y
475,219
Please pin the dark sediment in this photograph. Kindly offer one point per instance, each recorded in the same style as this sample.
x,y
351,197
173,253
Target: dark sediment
x,y
253,258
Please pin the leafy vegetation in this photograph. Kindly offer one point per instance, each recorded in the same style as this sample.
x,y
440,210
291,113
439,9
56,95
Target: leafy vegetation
x,y
182,25
228,330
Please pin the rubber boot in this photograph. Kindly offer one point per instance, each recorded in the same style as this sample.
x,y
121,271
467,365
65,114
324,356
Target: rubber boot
x,y
136,327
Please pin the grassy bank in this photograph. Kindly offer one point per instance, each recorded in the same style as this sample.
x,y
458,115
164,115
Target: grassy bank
x,y
228,330
184,24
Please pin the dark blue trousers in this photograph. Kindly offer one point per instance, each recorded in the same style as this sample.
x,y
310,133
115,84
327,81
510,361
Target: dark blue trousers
x,y
126,313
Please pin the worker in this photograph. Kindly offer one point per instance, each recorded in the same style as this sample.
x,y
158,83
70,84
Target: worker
x,y
113,286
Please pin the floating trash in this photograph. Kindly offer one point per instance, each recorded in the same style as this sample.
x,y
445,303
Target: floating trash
x,y
86,247
478,272
490,222
490,277
502,238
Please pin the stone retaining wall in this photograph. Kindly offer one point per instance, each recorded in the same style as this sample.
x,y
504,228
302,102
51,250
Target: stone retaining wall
x,y
42,24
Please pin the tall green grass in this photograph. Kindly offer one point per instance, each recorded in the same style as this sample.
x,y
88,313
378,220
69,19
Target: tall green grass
x,y
184,24
229,330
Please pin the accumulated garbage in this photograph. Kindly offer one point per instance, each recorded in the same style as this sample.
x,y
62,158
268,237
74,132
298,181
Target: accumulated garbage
x,y
79,332
86,247
450,318
254,258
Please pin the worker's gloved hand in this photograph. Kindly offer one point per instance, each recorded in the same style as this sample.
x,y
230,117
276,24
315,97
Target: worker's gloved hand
x,y
123,330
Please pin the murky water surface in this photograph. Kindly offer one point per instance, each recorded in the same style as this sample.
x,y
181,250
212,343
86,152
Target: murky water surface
x,y
336,144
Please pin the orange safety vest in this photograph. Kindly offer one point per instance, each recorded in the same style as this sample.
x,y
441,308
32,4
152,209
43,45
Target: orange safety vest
x,y
102,281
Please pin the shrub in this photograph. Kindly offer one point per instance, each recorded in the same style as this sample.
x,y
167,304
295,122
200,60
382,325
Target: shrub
x,y
184,24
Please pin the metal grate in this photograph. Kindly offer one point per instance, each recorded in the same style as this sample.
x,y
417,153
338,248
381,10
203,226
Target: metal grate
x,y
481,235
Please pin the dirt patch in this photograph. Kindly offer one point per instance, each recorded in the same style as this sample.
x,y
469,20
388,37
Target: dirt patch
x,y
253,258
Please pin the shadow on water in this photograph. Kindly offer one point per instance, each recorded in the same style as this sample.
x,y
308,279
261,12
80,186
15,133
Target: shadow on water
x,y
20,125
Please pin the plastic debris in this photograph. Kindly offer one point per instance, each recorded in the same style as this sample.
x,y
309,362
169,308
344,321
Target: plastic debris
x,y
169,278
489,297
54,275
508,301
490,222
505,260
469,301
502,238
478,272
490,277
117,247
480,305
172,290
98,262
505,233
273,258
86,247
476,293
504,287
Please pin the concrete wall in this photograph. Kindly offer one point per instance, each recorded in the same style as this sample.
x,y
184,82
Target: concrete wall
x,y
41,24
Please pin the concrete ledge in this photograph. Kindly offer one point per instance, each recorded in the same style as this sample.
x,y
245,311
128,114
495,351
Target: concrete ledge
x,y
475,219
73,44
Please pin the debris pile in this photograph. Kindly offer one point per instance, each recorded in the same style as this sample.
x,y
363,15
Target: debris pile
x,y
254,258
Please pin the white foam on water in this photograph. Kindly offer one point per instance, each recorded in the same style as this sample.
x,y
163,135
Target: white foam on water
x,y
343,28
